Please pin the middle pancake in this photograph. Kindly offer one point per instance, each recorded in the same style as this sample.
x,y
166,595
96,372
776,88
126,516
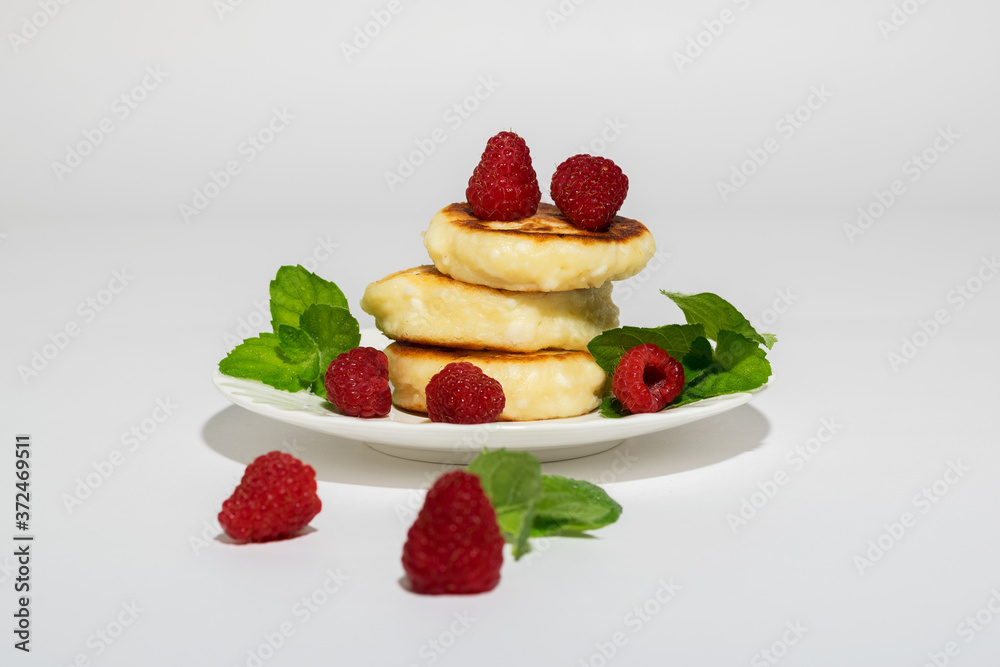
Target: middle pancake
x,y
421,305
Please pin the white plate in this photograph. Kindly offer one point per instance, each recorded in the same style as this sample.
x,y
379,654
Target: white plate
x,y
412,436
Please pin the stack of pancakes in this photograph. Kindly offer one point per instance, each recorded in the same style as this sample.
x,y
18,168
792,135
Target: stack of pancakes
x,y
519,299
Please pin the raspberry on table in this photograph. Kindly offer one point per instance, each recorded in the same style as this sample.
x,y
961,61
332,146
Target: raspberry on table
x,y
357,382
504,185
461,393
647,379
589,190
455,545
275,499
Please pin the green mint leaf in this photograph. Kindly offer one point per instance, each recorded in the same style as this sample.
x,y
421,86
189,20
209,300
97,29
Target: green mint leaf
x,y
572,505
676,339
261,359
513,483
300,351
716,314
318,386
333,329
312,325
739,364
732,349
698,359
326,332
612,408
736,364
294,289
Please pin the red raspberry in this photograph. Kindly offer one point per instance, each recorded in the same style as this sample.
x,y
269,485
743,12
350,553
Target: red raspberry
x,y
275,499
504,185
455,545
357,382
589,190
647,379
461,393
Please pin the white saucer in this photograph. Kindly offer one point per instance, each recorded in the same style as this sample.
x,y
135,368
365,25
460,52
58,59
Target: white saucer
x,y
412,436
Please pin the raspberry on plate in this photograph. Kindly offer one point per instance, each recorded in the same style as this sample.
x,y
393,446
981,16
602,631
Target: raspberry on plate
x,y
504,185
455,545
275,499
589,190
461,393
647,379
357,382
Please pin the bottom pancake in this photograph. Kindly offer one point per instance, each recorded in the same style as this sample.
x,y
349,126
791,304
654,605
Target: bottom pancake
x,y
540,385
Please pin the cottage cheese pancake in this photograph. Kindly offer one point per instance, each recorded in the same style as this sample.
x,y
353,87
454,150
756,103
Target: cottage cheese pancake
x,y
541,253
539,385
421,305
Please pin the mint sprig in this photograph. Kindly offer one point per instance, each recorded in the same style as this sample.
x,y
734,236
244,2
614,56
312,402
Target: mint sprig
x,y
572,506
716,314
261,358
675,339
513,483
530,504
312,326
294,289
736,363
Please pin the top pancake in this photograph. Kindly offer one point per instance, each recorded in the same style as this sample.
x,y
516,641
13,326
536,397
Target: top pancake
x,y
541,253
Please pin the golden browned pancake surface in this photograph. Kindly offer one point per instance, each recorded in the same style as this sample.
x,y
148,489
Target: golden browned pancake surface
x,y
540,385
541,253
547,225
422,305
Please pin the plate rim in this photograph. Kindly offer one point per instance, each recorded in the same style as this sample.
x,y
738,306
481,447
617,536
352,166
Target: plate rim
x,y
574,431
561,433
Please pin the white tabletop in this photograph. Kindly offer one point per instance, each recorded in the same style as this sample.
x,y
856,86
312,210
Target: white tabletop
x,y
845,516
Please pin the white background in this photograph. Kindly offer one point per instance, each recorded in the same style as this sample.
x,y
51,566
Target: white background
x,y
787,239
